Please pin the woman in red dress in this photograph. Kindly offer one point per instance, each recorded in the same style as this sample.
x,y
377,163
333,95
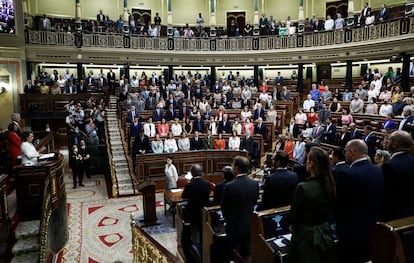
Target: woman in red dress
x,y
14,144
313,116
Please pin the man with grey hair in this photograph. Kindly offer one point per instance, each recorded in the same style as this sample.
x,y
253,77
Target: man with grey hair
x,y
356,105
359,194
406,124
197,192
16,119
398,178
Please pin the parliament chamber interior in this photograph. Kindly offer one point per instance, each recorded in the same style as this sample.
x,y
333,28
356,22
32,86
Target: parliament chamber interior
x,y
206,131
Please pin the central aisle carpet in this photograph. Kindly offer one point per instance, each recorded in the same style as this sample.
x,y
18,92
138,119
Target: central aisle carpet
x,y
99,228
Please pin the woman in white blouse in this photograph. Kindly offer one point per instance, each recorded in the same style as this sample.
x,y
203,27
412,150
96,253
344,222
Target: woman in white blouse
x,y
234,142
176,128
170,145
157,145
170,174
29,152
245,114
271,114
184,143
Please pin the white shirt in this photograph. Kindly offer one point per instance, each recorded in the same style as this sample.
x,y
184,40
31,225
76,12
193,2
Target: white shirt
x,y
307,104
170,145
172,176
176,129
385,109
149,129
234,143
329,24
29,153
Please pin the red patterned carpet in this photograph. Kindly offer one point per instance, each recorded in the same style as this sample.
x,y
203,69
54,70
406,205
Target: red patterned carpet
x,y
99,228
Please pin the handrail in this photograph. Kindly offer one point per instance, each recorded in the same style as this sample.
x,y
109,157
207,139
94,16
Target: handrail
x,y
146,249
382,30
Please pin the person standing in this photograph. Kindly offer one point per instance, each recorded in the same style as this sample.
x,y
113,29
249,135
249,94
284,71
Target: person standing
x,y
76,163
280,185
239,198
200,23
359,194
29,153
84,152
171,175
398,178
197,192
157,23
15,143
310,210
218,190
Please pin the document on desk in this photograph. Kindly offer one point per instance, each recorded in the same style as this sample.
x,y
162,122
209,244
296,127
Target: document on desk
x,y
46,156
176,190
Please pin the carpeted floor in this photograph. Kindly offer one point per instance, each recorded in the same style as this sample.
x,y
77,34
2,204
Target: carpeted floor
x,y
100,228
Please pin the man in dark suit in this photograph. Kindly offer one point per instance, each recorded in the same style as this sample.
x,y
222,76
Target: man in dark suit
x,y
279,79
171,113
280,185
260,128
370,140
239,199
134,130
196,142
398,178
359,195
158,113
383,13
184,111
82,87
198,124
406,124
216,87
247,143
111,81
218,190
354,133
317,132
224,125
329,135
339,166
259,113
197,192
285,94
141,144
365,12
29,88
132,113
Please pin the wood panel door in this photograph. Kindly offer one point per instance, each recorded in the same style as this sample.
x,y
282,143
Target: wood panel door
x,y
333,8
324,72
239,18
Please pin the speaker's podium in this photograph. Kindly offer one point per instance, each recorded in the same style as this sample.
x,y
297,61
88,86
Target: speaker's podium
x,y
147,188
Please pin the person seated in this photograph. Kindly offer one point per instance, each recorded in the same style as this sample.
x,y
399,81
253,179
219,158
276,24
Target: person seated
x,y
157,145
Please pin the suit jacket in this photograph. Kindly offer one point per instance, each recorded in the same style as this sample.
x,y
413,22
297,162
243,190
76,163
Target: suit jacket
x,y
329,135
408,125
82,89
398,183
279,188
157,116
198,125
130,119
285,95
140,145
29,89
384,13
224,127
218,192
279,80
359,195
238,201
208,142
262,130
197,191
135,129
171,115
371,142
317,134
259,115
342,141
356,134
196,145
181,112
339,169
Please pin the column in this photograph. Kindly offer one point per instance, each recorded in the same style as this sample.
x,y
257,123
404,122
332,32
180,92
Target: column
x,y
405,74
256,75
125,18
78,23
212,77
301,24
170,73
170,30
213,18
350,20
348,76
256,29
79,71
300,78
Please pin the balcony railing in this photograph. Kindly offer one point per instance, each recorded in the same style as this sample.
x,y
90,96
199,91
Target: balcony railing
x,y
377,31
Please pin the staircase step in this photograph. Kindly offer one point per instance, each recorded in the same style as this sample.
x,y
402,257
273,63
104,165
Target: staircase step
x,y
26,258
27,229
26,245
126,191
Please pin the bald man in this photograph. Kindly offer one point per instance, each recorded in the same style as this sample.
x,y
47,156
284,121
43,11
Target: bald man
x,y
359,198
399,178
